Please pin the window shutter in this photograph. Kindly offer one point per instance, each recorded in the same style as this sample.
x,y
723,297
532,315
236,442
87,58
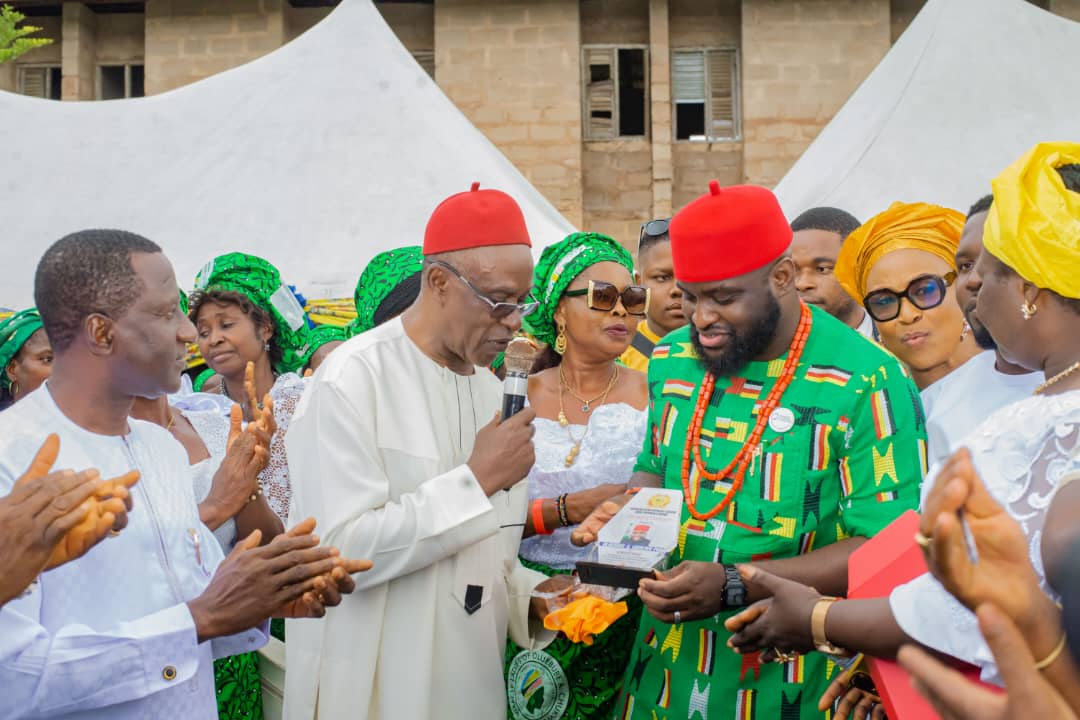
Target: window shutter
x,y
426,58
34,81
688,76
601,122
722,94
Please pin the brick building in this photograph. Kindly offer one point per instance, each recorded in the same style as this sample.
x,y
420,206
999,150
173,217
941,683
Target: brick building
x,y
616,110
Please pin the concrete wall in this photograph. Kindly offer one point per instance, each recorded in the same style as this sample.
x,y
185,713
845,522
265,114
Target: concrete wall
x,y
299,20
615,22
78,52
187,40
698,163
618,188
705,23
901,13
801,60
121,38
513,68
413,23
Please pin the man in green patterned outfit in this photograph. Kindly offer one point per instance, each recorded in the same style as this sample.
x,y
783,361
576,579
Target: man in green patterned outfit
x,y
829,462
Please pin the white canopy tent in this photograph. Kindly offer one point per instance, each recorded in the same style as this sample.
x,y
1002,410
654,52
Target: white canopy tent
x,y
317,156
969,87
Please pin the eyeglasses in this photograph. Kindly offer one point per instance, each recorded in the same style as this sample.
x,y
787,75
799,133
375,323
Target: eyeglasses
x,y
924,292
604,296
653,229
499,310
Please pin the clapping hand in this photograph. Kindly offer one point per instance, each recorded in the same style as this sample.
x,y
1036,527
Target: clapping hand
x,y
53,517
1003,574
1028,694
291,576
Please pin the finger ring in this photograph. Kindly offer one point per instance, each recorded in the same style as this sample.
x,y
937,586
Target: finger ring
x,y
921,540
784,657
113,533
678,618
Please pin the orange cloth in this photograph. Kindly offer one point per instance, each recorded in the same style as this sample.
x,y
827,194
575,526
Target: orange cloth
x,y
584,618
918,226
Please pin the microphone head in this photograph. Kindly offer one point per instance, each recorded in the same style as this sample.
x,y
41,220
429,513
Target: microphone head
x,y
520,355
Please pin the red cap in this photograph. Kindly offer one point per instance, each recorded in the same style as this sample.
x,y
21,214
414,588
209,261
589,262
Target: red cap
x,y
727,233
641,528
478,218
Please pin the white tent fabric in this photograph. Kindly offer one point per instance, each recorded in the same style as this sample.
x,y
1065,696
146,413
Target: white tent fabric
x,y
968,88
317,156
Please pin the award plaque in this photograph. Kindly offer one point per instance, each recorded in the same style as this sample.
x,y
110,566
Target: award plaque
x,y
637,541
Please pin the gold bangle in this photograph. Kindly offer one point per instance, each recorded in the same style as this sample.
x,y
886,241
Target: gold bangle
x,y
1054,654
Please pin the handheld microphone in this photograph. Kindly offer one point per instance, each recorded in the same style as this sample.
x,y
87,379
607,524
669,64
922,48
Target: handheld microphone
x,y
519,357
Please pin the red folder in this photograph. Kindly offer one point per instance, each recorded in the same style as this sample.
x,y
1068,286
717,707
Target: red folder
x,y
889,559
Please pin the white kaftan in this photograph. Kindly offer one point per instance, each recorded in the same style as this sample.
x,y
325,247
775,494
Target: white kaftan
x,y
377,451
109,635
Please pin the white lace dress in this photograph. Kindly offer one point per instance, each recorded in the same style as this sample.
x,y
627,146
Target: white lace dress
x,y
286,393
608,453
274,479
213,429
1021,452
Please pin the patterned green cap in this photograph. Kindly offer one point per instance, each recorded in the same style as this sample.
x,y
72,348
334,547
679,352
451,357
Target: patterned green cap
x,y
384,274
14,332
260,282
559,265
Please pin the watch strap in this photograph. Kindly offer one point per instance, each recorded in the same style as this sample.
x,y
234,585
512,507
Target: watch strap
x,y
734,588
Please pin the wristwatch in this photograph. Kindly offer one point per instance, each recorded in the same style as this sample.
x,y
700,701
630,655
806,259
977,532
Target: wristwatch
x,y
817,628
734,588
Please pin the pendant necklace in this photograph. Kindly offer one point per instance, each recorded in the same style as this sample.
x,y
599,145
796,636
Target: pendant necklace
x,y
564,422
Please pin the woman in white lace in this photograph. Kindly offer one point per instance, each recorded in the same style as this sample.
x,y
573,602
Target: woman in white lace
x,y
1021,452
233,330
590,427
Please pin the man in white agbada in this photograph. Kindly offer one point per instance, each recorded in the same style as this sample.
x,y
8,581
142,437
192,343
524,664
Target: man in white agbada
x,y
130,630
959,402
394,451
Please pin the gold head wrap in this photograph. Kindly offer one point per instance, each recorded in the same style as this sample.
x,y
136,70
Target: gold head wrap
x,y
904,226
1034,223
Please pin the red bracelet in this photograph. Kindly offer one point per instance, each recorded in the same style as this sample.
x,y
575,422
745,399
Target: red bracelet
x,y
537,512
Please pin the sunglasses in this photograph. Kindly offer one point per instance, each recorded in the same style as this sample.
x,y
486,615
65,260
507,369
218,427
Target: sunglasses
x,y
924,292
499,310
652,229
603,296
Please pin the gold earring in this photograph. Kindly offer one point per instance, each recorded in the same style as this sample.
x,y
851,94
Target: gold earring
x,y
14,389
1028,310
560,340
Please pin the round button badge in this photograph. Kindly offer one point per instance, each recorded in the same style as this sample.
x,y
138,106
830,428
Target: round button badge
x,y
781,420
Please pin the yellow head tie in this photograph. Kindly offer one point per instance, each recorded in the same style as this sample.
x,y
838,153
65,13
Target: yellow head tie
x,y
904,226
1034,223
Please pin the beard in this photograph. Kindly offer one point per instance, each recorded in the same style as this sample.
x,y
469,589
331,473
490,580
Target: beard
x,y
743,347
982,336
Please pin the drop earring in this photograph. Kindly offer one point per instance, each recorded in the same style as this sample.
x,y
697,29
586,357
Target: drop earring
x,y
1028,310
560,339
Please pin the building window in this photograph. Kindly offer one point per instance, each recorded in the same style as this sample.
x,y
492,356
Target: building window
x,y
116,82
40,81
616,91
426,58
705,90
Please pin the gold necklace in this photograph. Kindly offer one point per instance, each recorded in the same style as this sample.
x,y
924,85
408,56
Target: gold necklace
x,y
586,404
1060,376
172,420
564,422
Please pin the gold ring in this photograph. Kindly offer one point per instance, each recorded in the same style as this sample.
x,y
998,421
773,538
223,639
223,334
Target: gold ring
x,y
784,657
921,540
114,533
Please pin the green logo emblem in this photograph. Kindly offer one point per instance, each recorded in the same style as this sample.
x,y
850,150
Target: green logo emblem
x,y
537,687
